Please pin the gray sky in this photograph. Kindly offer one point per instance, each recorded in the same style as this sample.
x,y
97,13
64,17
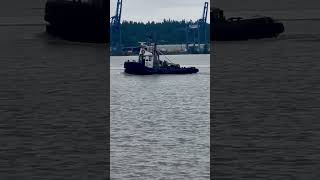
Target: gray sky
x,y
157,10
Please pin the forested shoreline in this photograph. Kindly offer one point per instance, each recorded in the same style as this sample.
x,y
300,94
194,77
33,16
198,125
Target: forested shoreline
x,y
165,32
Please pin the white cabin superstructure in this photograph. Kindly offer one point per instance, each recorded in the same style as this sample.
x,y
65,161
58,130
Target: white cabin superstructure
x,y
146,58
149,57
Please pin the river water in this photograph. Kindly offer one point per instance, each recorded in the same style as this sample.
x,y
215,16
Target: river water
x,y
53,100
266,99
160,123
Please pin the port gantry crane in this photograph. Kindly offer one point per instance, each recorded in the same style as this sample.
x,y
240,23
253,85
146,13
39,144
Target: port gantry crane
x,y
203,21
115,29
199,32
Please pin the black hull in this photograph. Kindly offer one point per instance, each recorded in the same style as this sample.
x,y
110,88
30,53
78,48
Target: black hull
x,y
245,29
76,22
139,69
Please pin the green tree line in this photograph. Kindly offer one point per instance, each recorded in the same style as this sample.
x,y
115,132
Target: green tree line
x,y
166,32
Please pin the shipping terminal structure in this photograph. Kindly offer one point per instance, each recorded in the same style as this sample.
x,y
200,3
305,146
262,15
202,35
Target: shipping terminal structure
x,y
196,41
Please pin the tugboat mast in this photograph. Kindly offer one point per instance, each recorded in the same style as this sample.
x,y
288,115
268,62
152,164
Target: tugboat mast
x,y
155,55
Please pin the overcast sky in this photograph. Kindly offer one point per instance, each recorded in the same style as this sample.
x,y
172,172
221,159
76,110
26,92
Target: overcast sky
x,y
157,10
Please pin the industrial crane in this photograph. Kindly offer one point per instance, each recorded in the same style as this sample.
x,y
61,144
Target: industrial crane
x,y
199,31
203,21
115,29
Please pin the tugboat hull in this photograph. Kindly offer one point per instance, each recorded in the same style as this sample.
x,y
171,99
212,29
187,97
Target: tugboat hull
x,y
139,69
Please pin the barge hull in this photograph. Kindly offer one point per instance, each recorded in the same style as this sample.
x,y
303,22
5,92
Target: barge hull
x,y
245,30
76,21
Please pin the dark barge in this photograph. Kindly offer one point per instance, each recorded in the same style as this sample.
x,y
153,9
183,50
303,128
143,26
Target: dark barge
x,y
237,28
78,20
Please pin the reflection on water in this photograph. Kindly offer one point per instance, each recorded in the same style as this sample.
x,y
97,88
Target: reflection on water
x,y
52,101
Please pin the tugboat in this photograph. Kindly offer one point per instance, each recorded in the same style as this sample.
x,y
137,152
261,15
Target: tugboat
x,y
237,28
149,63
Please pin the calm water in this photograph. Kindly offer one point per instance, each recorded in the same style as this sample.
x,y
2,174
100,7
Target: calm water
x,y
53,100
160,123
266,97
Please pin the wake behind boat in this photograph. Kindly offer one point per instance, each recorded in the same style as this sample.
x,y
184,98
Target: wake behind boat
x,y
149,63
